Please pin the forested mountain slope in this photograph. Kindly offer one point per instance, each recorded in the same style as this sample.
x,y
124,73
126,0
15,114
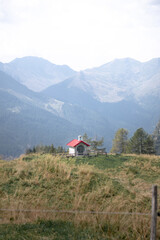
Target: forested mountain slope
x,y
24,121
123,93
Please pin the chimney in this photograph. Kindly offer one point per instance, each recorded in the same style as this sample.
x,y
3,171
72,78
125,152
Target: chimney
x,y
80,138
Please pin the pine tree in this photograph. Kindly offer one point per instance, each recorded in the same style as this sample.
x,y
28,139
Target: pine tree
x,y
28,150
141,143
120,141
156,138
86,138
52,149
60,149
34,149
149,145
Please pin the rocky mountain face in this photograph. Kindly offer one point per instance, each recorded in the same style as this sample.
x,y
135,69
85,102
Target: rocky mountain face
x,y
36,73
24,121
119,80
124,91
98,101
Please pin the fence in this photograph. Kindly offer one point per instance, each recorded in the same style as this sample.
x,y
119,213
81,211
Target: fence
x,y
153,213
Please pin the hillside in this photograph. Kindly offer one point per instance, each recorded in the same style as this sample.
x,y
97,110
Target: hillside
x,y
36,73
119,80
25,122
120,183
28,118
123,93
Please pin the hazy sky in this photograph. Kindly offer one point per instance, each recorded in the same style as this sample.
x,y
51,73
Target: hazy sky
x,y
80,33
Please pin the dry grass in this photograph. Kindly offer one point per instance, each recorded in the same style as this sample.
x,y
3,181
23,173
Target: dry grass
x,y
48,182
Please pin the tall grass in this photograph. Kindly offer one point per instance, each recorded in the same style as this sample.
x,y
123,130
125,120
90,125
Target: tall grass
x,y
54,182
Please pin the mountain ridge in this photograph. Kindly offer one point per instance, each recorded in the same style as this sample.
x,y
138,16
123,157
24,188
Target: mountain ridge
x,y
36,73
25,122
122,93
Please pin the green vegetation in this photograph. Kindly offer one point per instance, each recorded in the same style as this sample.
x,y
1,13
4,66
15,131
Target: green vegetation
x,y
140,143
57,230
102,162
113,183
156,137
94,143
45,149
120,141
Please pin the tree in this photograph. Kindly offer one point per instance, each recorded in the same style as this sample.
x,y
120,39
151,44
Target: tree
x,y
141,143
34,149
60,149
86,138
28,150
156,138
149,145
94,143
120,141
52,149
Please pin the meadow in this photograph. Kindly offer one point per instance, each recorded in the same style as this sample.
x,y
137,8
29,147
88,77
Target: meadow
x,y
109,183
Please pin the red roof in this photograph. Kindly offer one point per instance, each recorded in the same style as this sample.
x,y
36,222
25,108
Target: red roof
x,y
75,142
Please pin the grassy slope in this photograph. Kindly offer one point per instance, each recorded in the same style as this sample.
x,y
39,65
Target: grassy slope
x,y
104,183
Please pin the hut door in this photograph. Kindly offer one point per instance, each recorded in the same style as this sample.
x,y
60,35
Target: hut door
x,y
80,150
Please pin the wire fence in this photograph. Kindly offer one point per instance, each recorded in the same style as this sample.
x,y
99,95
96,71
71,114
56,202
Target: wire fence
x,y
154,213
79,211
74,212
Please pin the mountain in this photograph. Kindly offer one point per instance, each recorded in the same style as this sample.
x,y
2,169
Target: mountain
x,y
25,122
117,80
123,78
36,73
123,93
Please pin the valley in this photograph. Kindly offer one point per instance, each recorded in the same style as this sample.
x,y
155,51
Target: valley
x,y
43,103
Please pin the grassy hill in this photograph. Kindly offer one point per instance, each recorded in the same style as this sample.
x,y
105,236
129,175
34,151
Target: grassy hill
x,y
113,183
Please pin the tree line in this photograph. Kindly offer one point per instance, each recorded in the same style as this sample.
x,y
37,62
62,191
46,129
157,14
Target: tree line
x,y
94,144
45,149
140,143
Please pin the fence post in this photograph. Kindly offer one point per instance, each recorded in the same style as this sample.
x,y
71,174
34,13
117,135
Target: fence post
x,y
154,213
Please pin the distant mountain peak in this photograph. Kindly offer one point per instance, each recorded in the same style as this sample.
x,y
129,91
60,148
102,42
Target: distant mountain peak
x,y
36,73
30,59
127,59
123,93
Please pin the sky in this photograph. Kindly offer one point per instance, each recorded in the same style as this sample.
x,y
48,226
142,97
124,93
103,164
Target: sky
x,y
80,33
